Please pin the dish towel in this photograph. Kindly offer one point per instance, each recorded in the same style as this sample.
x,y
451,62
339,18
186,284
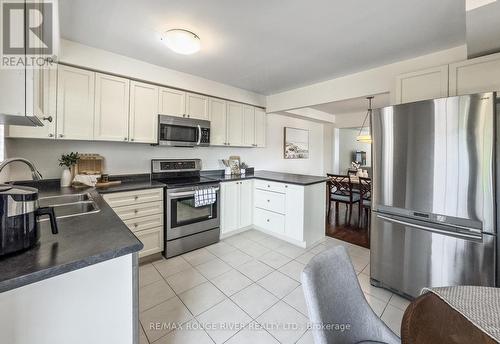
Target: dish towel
x,y
204,196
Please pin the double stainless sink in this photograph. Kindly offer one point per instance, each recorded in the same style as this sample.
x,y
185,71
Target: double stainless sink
x,y
70,205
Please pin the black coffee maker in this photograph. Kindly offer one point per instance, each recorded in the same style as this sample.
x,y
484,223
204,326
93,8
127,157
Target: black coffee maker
x,y
19,212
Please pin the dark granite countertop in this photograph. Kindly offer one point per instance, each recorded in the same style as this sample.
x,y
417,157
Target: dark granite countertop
x,y
131,182
288,178
82,241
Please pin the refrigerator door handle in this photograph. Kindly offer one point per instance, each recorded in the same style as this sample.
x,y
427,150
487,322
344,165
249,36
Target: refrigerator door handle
x,y
477,236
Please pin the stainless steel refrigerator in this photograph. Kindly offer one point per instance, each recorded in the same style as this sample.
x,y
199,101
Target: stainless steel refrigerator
x,y
434,214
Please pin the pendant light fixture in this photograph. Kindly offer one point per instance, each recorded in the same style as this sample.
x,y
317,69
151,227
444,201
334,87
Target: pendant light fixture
x,y
367,138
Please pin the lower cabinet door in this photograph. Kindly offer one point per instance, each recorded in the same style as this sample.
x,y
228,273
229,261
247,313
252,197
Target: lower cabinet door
x,y
269,220
229,207
246,203
152,239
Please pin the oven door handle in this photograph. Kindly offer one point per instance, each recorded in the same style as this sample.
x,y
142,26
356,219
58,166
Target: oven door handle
x,y
199,135
185,193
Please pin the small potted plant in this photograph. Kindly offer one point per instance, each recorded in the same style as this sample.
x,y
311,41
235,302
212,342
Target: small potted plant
x,y
68,161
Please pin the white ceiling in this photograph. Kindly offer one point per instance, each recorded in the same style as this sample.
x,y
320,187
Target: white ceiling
x,y
268,46
349,106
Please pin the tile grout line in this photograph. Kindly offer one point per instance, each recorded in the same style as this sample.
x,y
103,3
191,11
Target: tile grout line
x,y
254,258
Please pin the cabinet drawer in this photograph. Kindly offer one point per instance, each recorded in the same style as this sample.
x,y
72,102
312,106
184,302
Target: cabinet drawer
x,y
134,197
270,186
139,210
152,239
270,201
269,221
145,222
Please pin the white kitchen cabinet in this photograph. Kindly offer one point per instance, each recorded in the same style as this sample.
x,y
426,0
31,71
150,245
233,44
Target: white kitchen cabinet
x,y
75,103
45,83
172,102
217,115
235,124
248,126
424,84
246,203
229,207
260,127
477,75
111,108
294,213
143,112
236,206
142,212
196,106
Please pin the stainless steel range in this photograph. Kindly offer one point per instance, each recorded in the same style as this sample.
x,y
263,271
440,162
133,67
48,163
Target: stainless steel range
x,y
187,226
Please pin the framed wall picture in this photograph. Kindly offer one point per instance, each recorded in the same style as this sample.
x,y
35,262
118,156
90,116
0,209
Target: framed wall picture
x,y
296,145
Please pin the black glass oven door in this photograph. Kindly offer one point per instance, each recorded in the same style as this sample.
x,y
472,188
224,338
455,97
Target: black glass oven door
x,y
185,213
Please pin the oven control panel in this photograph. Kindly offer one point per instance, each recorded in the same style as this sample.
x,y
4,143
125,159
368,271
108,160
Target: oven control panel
x,y
175,165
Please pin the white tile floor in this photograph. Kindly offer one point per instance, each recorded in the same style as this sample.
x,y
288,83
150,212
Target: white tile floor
x,y
238,288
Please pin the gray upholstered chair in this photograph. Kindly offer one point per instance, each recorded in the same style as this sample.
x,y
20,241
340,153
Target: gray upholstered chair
x,y
333,296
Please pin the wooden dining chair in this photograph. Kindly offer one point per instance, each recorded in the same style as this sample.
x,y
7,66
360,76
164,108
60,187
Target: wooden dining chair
x,y
340,191
365,199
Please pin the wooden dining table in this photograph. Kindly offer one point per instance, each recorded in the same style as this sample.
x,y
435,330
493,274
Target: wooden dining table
x,y
453,315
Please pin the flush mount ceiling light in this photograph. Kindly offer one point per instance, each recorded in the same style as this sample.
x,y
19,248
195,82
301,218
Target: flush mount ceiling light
x,y
182,41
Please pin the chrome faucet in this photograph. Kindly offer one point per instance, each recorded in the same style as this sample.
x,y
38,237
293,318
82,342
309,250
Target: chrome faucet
x,y
34,172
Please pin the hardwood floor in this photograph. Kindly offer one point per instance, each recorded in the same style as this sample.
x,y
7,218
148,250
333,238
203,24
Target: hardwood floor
x,y
339,229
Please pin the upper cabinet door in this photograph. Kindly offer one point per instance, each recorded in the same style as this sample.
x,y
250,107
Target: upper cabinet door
x,y
234,124
196,106
143,112
172,102
248,126
217,116
111,108
260,127
425,84
75,103
477,75
45,90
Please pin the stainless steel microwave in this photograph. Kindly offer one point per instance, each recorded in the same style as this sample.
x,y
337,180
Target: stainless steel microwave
x,y
183,132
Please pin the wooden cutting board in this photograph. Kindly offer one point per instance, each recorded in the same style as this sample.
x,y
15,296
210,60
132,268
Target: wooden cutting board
x,y
107,184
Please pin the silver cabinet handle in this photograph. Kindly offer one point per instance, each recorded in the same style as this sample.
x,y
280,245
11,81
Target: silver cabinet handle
x,y
51,135
125,139
61,135
48,118
267,220
132,140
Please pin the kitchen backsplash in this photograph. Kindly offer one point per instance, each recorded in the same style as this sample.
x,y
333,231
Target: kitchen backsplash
x,y
125,158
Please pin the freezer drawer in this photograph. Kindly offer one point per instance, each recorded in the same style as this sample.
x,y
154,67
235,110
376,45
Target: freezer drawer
x,y
407,257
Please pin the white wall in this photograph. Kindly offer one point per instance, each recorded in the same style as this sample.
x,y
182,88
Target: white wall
x,y
124,158
373,81
93,58
348,145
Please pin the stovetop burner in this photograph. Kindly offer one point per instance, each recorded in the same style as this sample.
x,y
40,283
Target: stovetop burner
x,y
177,173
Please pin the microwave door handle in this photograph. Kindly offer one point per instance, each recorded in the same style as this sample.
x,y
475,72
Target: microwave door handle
x,y
199,135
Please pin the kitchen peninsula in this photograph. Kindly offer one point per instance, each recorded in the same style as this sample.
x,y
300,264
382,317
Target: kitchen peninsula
x,y
288,206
